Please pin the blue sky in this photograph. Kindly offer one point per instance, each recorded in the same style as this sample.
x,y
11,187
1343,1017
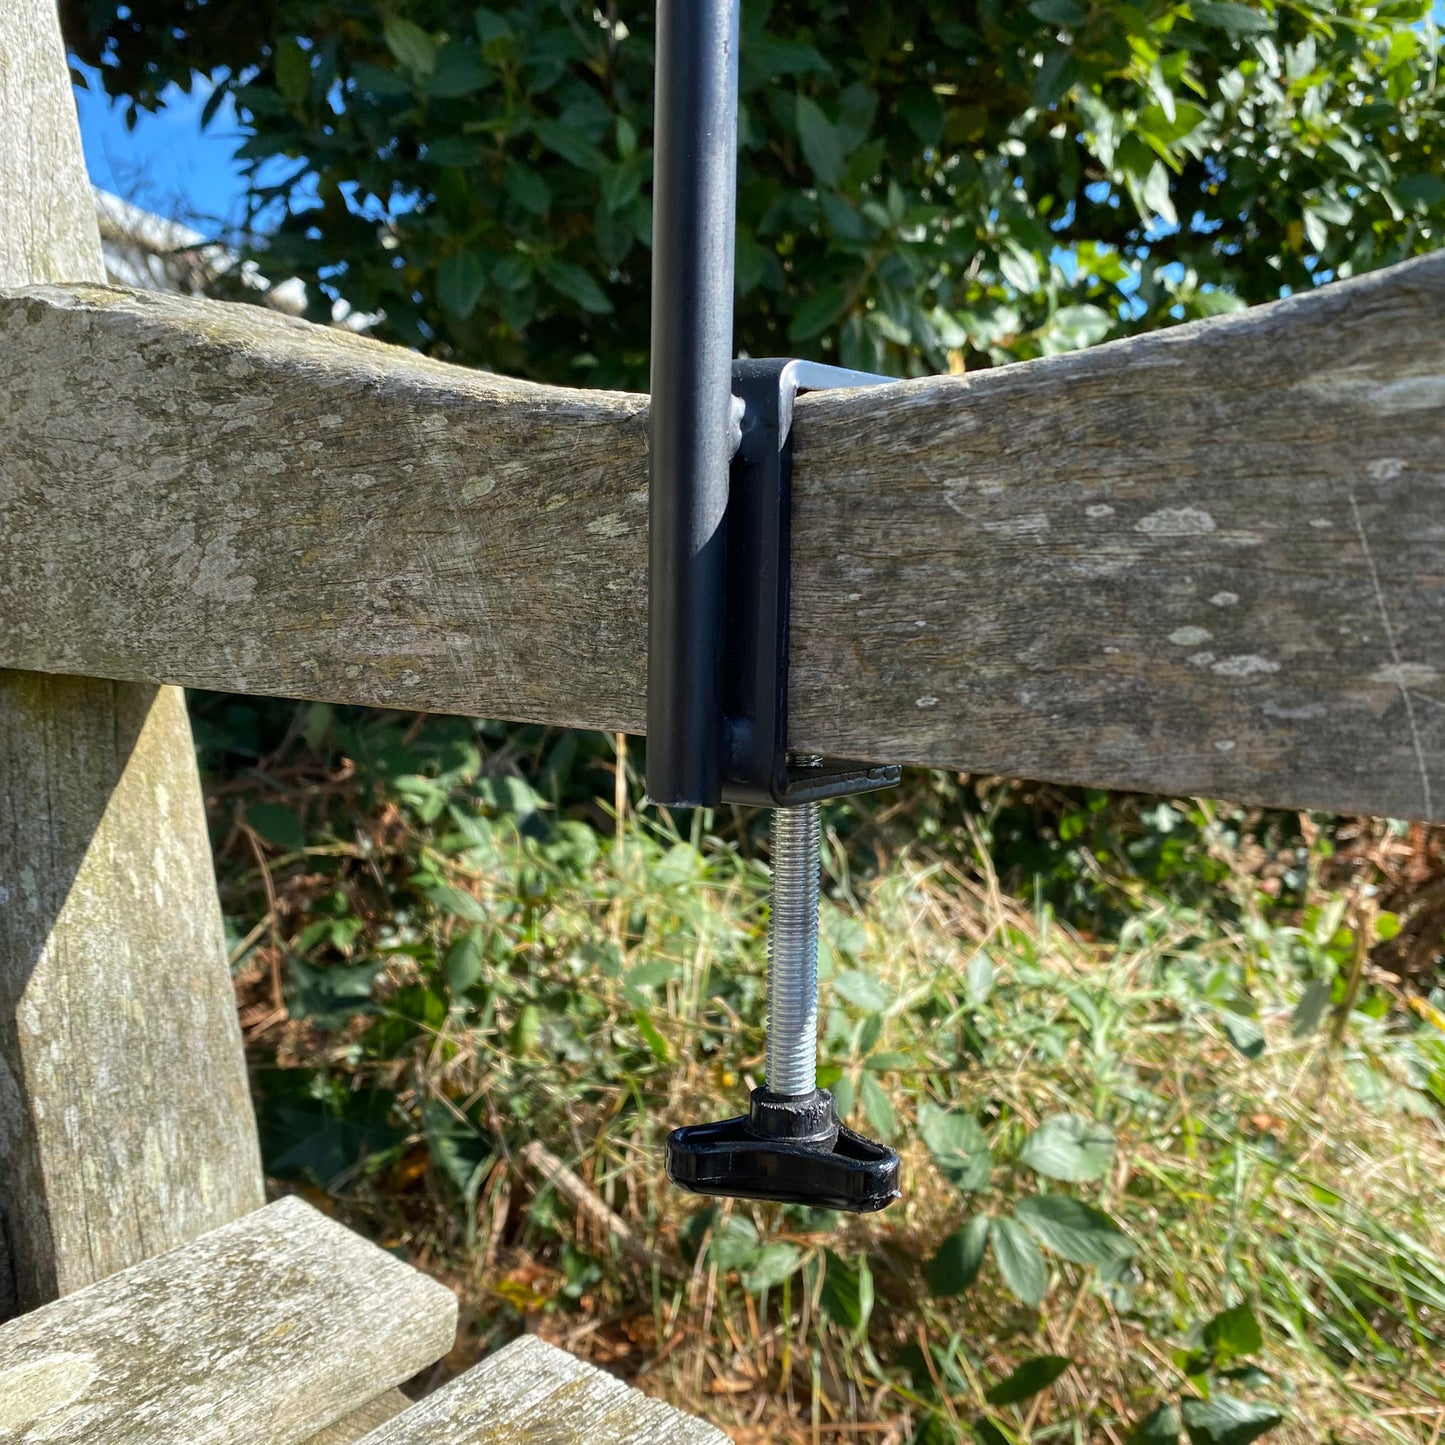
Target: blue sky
x,y
167,165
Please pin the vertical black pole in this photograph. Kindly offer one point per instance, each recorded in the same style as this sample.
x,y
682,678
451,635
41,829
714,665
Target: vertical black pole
x,y
692,433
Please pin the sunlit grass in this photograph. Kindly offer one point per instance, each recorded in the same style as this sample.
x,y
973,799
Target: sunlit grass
x,y
501,978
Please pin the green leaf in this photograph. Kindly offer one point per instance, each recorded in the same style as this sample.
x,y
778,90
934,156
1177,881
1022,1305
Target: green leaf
x,y
1420,190
456,902
511,273
1031,1378
1223,1420
530,192
1074,1230
293,69
465,960
774,1264
619,184
978,978
844,222
820,142
818,313
526,1031
735,1242
564,141
214,102
458,1148
960,1257
374,80
652,974
460,279
1063,13
1236,20
1245,1034
889,1062
278,825
1157,197
958,1147
1019,1260
847,1296
1020,269
1232,1333
412,46
459,71
456,152
652,1037
990,1432
876,1107
329,997
1159,1427
1310,1011
575,284
1069,1148
1082,326
922,109
863,990
491,27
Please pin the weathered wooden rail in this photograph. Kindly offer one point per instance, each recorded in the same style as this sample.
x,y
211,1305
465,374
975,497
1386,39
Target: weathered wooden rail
x,y
1207,560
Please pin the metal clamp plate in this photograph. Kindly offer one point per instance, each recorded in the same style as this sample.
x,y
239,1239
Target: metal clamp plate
x,y
758,769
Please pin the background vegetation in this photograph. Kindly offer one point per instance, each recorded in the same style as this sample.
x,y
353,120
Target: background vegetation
x,y
1168,1076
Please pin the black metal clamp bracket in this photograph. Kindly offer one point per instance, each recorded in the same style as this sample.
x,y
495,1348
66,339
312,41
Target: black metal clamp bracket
x,y
758,768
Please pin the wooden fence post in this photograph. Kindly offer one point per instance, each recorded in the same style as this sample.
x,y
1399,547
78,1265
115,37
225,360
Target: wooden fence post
x,y
125,1121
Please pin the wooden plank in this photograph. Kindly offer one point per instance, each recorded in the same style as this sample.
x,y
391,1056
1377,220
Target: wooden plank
x,y
260,1333
361,1422
1202,561
1207,561
532,1391
125,1119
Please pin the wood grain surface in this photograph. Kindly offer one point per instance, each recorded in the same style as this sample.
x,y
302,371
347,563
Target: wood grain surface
x,y
532,1391
350,1429
1206,561
125,1119
261,1332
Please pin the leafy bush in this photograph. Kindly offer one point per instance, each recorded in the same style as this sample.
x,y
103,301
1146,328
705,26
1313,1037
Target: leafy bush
x,y
922,186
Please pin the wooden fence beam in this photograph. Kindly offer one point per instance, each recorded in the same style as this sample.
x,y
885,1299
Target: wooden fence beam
x,y
1209,560
125,1119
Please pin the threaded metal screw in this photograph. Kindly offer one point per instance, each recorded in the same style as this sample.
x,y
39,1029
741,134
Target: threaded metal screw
x,y
793,951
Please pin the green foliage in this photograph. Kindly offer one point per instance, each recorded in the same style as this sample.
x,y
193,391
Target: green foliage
x,y
958,1146
1069,1148
1074,1230
921,186
475,956
1031,1377
1217,1418
959,1257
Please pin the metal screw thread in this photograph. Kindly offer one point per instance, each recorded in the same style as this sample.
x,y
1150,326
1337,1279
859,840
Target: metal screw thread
x,y
793,951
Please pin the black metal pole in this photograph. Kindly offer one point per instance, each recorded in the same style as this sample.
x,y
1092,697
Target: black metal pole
x,y
693,432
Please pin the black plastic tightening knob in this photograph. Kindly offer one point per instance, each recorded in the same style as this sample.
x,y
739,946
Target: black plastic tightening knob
x,y
789,1148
